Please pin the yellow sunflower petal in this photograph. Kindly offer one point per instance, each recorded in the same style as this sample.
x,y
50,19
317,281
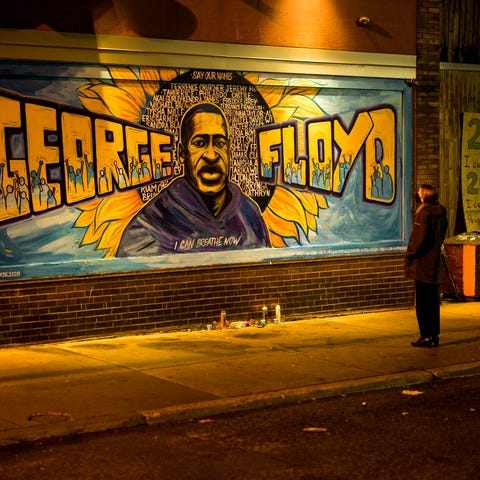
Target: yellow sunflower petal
x,y
122,73
115,230
321,201
88,90
304,107
272,94
301,91
113,208
93,235
126,79
252,78
91,205
287,205
88,211
119,102
310,205
150,78
134,90
279,225
276,240
86,217
106,219
309,201
286,202
311,222
125,75
283,114
92,102
168,74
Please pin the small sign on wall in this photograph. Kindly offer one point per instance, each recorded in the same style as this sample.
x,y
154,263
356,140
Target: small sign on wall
x,y
471,170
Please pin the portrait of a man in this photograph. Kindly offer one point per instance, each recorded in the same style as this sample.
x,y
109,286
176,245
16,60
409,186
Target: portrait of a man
x,y
202,210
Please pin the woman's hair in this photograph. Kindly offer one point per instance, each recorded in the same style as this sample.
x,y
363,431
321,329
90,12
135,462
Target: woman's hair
x,y
429,193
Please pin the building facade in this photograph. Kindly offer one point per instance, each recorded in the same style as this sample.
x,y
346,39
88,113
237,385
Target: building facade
x,y
330,118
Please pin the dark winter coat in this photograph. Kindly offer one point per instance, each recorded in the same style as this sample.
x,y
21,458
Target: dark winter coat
x,y
424,259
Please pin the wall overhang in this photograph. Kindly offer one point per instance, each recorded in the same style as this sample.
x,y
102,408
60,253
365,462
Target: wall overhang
x,y
110,49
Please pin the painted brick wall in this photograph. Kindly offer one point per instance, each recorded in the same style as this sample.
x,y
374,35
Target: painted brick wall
x,y
49,310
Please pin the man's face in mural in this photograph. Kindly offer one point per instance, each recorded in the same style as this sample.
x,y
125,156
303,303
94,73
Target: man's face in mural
x,y
206,153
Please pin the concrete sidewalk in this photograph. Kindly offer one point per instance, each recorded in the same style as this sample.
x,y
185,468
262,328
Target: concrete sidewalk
x,y
86,386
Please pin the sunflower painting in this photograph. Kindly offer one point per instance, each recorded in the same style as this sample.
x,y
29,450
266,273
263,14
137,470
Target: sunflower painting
x,y
289,214
109,168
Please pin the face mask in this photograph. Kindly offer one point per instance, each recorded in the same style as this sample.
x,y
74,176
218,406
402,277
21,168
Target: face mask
x,y
417,198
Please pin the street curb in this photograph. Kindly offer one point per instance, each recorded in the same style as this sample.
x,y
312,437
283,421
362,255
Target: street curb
x,y
452,371
71,427
279,397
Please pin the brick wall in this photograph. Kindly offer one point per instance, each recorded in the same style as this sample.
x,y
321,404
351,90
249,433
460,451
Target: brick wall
x,y
48,310
427,118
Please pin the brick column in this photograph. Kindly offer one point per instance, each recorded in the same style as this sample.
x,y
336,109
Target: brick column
x,y
427,134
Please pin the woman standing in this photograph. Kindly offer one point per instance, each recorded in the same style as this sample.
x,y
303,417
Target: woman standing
x,y
424,263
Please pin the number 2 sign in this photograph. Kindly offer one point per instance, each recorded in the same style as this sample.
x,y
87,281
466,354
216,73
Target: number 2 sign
x,y
471,170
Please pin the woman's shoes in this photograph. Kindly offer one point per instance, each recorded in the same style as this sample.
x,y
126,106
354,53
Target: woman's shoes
x,y
428,342
421,342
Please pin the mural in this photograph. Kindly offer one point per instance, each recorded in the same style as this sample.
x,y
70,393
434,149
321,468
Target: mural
x,y
121,168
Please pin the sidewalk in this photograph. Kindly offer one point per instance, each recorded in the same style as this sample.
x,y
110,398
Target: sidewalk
x,y
87,386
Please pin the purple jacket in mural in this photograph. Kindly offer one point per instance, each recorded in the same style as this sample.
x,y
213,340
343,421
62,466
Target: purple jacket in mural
x,y
424,261
177,221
